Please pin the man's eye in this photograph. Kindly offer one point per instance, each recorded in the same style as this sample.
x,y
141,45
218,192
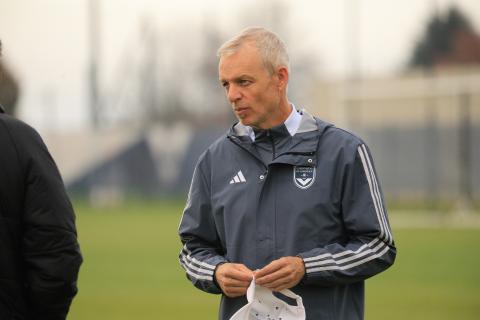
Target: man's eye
x,y
225,85
244,83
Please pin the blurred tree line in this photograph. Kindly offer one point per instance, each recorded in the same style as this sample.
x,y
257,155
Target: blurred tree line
x,y
448,39
172,75
166,89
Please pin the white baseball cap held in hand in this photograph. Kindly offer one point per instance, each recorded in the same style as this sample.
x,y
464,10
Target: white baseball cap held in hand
x,y
264,305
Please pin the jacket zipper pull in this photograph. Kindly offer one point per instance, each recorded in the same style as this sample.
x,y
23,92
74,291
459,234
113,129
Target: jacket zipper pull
x,y
269,134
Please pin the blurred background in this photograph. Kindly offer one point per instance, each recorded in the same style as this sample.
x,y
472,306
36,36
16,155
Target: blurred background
x,y
126,96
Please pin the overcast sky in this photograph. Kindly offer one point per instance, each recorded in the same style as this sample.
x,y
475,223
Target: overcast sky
x,y
46,45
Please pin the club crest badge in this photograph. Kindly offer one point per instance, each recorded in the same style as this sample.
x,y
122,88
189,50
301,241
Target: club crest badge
x,y
303,177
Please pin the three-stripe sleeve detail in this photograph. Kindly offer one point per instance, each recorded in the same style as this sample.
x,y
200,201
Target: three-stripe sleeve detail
x,y
376,248
376,196
195,268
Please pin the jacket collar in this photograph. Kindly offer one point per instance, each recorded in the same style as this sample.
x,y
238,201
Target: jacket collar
x,y
308,123
278,131
303,150
290,126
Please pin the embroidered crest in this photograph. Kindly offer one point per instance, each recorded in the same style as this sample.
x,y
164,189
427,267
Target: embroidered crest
x,y
304,176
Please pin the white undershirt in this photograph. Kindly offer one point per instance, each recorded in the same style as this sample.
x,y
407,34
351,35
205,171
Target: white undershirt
x,y
292,123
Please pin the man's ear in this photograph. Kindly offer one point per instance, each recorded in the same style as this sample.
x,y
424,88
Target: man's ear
x,y
282,75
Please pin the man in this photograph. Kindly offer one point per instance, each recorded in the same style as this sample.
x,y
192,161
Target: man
x,y
283,198
39,253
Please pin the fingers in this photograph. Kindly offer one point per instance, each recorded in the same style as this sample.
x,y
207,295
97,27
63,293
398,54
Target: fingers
x,y
269,269
241,272
233,279
276,281
281,274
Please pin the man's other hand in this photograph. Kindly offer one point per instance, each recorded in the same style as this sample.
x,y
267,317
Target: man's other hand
x,y
280,274
233,279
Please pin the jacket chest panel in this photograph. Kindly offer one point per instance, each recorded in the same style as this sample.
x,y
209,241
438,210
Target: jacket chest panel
x,y
303,212
265,214
237,183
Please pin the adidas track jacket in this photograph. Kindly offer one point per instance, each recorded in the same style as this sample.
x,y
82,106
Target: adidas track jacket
x,y
318,198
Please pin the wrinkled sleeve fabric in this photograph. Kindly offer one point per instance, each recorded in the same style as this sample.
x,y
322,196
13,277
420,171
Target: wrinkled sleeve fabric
x,y
202,251
369,247
50,249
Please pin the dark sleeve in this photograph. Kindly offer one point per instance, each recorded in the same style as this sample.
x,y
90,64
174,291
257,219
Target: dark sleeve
x,y
370,248
201,252
50,250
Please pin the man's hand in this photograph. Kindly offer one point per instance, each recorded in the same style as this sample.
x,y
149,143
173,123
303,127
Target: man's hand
x,y
280,274
233,279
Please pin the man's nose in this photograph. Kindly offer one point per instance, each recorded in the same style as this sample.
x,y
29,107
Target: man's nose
x,y
233,93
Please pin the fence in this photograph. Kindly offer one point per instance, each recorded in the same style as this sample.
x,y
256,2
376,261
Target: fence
x,y
423,129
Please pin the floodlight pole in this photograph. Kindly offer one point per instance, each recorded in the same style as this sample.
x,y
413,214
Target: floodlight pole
x,y
464,148
353,83
94,36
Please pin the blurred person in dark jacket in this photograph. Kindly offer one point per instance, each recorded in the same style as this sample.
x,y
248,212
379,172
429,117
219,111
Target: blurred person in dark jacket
x,y
39,253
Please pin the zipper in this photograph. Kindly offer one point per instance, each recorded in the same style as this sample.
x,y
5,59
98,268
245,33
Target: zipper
x,y
273,143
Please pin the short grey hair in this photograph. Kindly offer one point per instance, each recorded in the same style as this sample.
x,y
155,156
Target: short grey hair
x,y
272,49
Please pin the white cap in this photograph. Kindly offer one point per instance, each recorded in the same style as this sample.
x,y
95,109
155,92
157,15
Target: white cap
x,y
263,305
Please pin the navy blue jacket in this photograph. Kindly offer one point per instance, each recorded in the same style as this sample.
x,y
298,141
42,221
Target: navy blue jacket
x,y
317,197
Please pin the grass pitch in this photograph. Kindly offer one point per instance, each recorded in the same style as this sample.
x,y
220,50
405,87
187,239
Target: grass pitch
x,y
131,271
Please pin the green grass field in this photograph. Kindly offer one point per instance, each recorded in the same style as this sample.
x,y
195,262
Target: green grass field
x,y
131,271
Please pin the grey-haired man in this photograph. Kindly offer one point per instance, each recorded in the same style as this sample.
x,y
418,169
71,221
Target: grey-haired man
x,y
283,198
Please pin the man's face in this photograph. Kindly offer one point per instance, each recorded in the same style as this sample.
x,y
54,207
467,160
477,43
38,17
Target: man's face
x,y
253,93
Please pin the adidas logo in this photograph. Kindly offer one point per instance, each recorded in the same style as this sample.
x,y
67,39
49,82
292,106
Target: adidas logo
x,y
238,178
